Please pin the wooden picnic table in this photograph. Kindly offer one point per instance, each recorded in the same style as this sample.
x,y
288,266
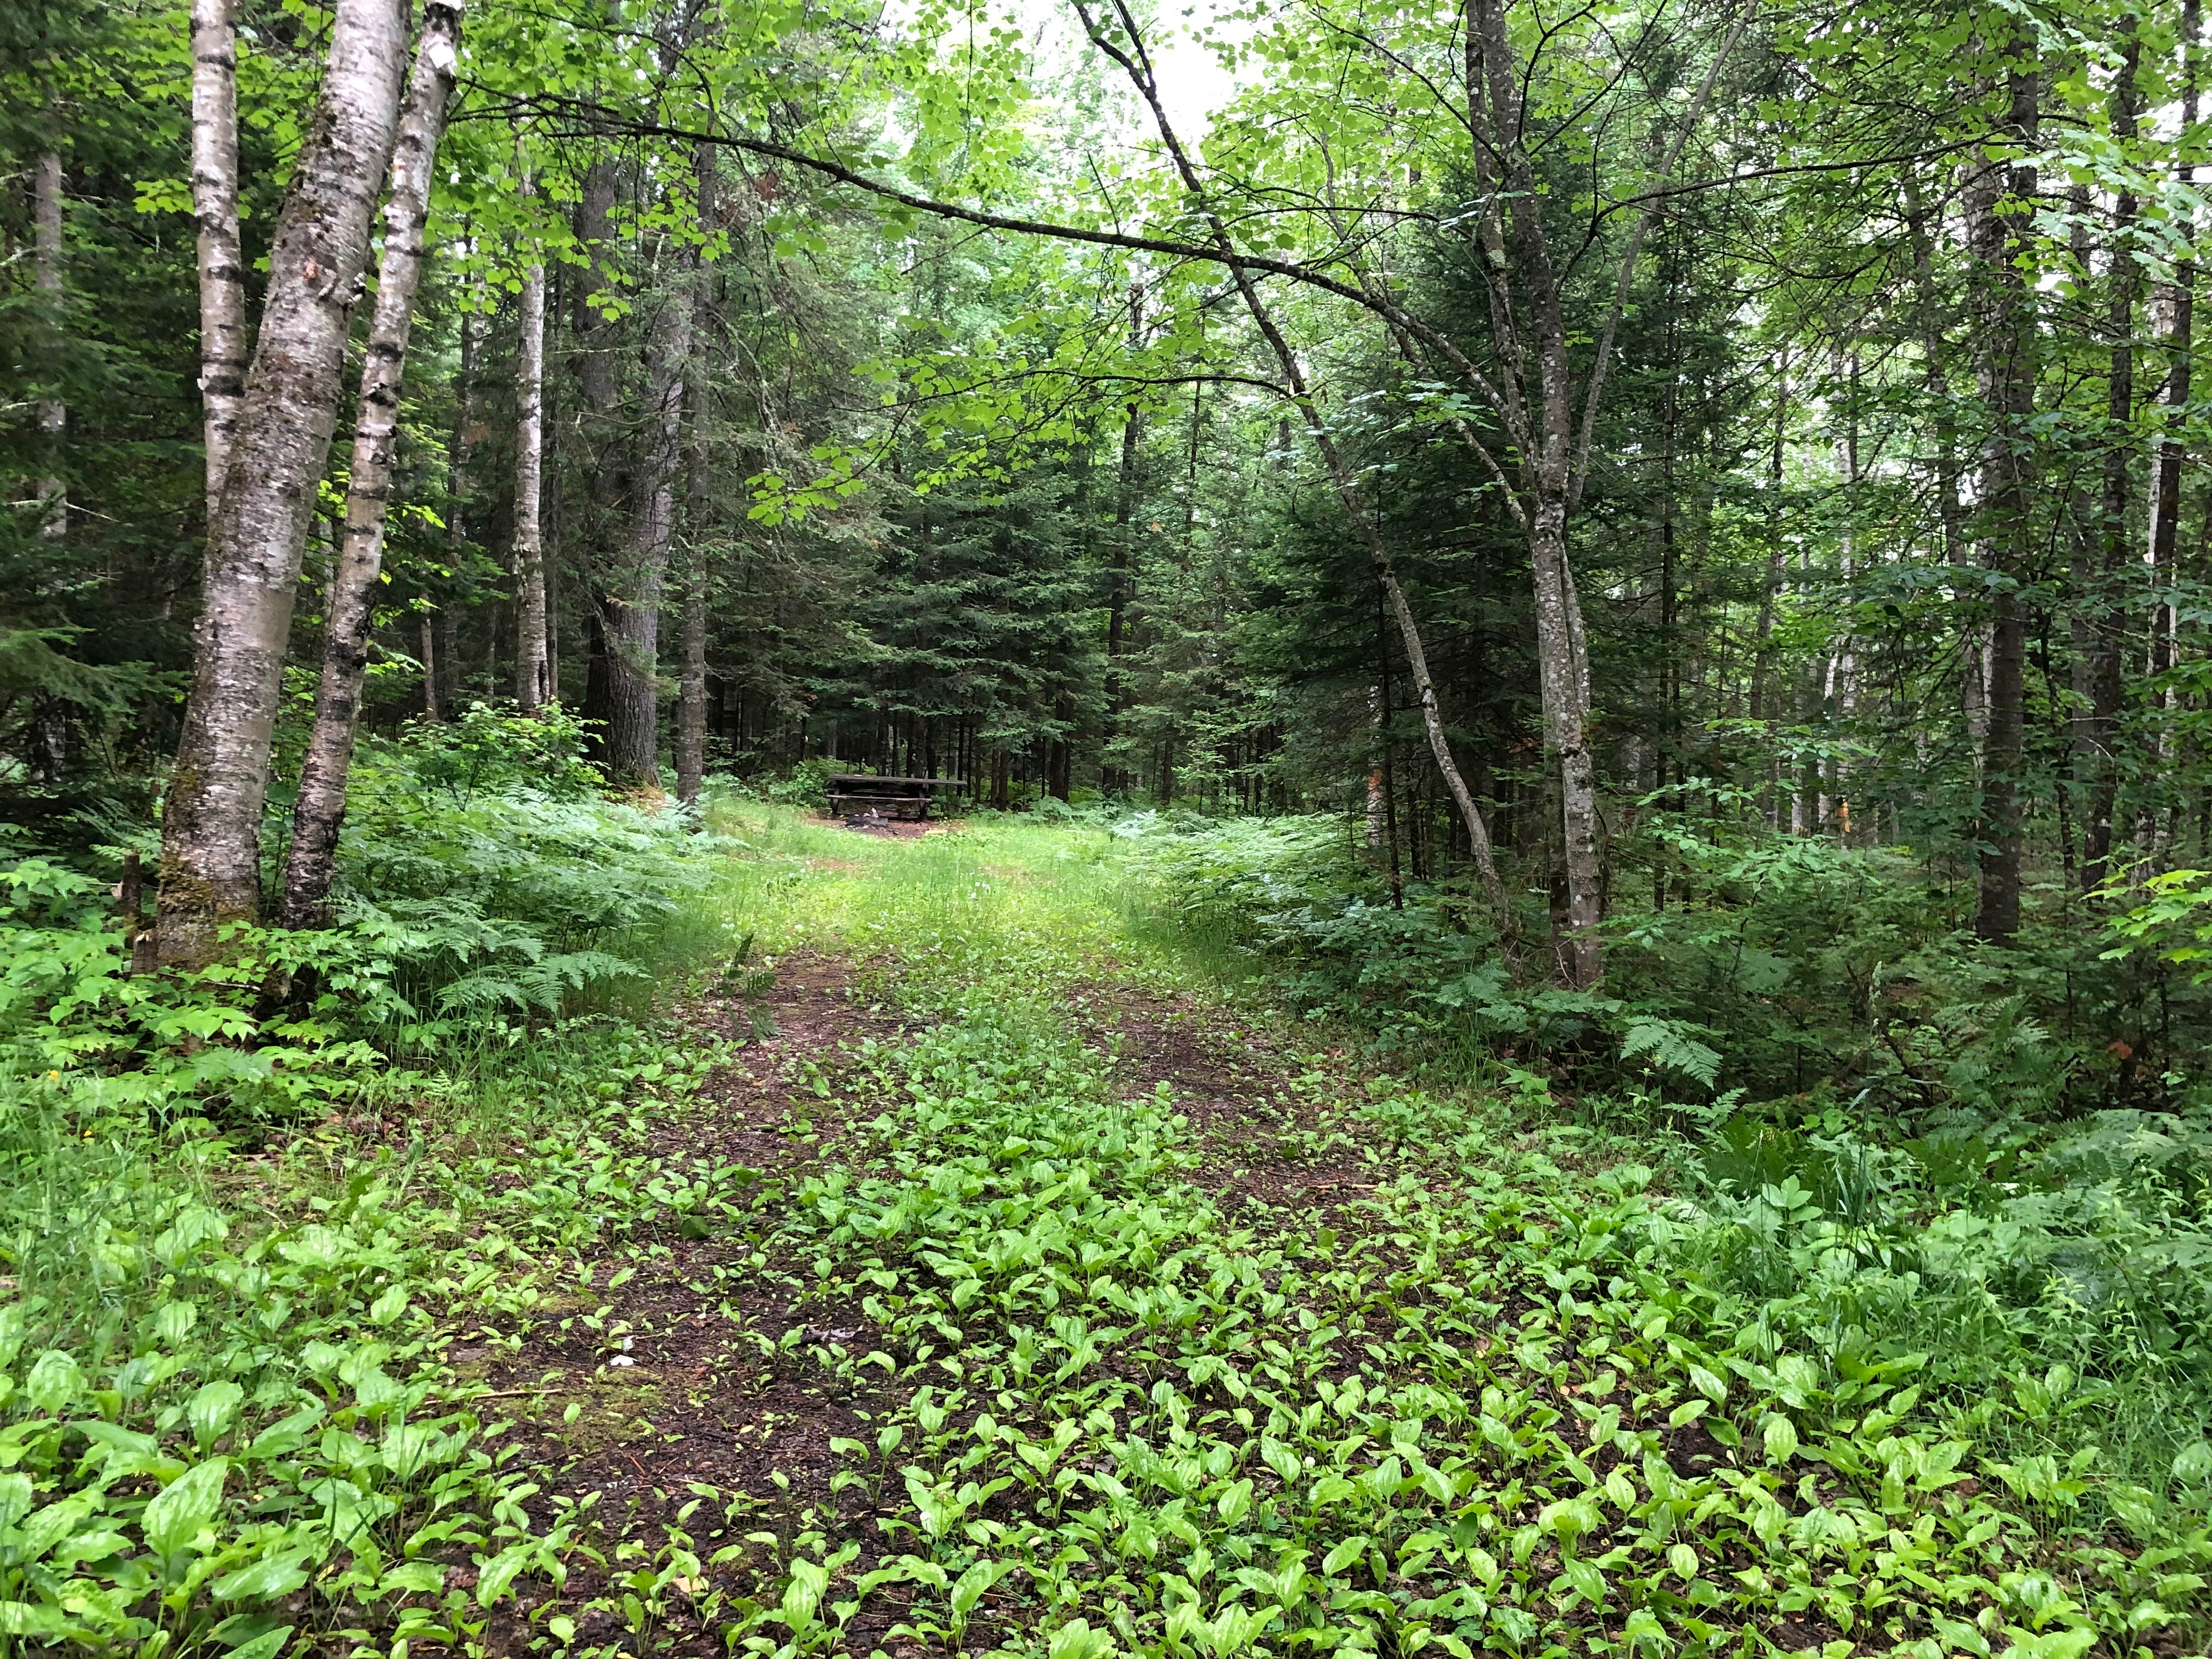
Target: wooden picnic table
x,y
858,794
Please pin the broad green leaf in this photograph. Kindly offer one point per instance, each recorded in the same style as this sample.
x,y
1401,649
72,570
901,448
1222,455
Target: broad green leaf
x,y
1588,1581
15,1497
975,1583
267,1645
27,1619
212,1408
184,1508
413,1579
1077,1640
389,1306
1781,1438
1351,1550
498,1574
264,1580
173,1322
53,1382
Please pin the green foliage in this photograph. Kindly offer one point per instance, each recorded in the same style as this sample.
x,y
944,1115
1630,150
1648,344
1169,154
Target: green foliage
x,y
480,887
1109,1393
805,784
222,1388
2174,922
1129,1382
491,749
224,1406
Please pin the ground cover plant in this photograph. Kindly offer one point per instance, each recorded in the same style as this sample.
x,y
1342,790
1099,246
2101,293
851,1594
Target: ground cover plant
x,y
976,1267
1512,1399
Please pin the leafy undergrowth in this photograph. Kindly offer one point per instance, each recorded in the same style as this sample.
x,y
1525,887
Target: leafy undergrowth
x,y
1353,1368
226,1419
243,1211
1473,1412
1000,1288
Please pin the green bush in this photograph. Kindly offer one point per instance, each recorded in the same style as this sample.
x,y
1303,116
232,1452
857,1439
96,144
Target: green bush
x,y
807,784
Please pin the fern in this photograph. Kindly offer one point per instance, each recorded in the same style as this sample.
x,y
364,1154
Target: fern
x,y
1666,1042
539,985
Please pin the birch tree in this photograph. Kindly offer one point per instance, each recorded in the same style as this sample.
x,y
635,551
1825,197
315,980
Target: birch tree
x,y
533,682
223,341
320,808
210,870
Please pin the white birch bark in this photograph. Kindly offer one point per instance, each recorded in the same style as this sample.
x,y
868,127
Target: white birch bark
x,y
1562,673
46,277
321,809
211,822
530,677
458,501
223,339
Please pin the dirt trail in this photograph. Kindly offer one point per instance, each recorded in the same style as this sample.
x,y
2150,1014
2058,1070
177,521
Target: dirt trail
x,y
677,1373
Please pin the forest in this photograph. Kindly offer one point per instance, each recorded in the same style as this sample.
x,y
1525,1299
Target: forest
x,y
1555,990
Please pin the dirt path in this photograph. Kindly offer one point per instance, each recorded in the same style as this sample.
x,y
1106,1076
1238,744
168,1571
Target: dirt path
x,y
682,1370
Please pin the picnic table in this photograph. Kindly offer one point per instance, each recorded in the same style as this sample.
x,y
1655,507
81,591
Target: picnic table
x,y
858,794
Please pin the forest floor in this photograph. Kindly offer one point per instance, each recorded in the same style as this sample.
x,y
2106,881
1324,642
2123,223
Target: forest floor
x,y
700,1403
1019,1281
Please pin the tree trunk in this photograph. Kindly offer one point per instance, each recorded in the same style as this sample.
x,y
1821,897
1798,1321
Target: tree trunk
x,y
53,414
607,482
2177,307
458,499
1562,673
2098,629
312,862
1842,663
449,662
2000,203
1113,779
633,744
1771,589
1763,703
691,687
430,669
224,342
211,822
531,680
691,680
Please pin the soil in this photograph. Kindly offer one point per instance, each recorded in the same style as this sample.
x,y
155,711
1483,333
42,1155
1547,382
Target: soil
x,y
675,1375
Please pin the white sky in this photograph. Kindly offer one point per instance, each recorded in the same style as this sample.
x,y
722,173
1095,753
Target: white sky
x,y
1193,83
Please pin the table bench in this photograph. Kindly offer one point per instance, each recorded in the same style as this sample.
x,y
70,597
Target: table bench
x,y
857,795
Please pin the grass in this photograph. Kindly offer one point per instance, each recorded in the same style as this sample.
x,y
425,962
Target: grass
x,y
1119,1316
